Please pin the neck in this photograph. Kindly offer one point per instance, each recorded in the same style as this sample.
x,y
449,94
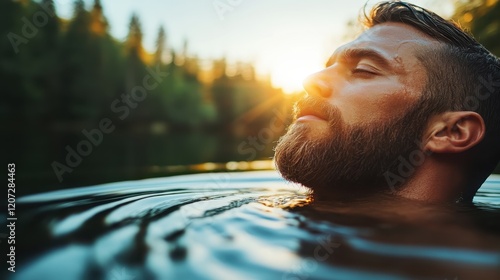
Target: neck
x,y
437,180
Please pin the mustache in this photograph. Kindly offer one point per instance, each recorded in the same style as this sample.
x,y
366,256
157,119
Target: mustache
x,y
315,106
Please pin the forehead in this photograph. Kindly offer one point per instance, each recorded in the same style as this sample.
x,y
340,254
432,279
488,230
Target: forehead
x,y
398,43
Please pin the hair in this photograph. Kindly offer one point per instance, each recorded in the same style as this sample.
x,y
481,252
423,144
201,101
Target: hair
x,y
462,75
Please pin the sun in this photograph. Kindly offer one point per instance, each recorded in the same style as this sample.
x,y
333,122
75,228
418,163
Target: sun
x,y
291,68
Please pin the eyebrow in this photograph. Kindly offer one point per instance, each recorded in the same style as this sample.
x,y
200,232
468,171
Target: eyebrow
x,y
360,53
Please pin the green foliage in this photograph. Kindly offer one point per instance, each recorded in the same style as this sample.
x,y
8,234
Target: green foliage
x,y
71,71
482,19
60,77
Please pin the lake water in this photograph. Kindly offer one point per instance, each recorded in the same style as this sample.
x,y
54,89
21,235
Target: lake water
x,y
250,225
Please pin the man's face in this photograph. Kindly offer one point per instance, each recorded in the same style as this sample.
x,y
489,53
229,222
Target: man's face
x,y
361,112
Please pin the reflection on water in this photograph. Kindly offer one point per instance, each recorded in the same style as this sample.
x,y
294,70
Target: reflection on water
x,y
250,225
122,155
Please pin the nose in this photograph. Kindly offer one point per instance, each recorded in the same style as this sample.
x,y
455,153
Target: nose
x,y
318,84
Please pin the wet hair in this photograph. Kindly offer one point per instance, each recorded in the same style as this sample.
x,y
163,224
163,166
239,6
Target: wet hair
x,y
462,75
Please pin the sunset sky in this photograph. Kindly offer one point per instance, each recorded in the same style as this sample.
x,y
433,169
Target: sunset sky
x,y
287,39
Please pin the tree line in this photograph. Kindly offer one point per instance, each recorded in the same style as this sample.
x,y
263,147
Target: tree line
x,y
70,73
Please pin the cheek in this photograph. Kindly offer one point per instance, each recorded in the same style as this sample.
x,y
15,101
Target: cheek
x,y
381,101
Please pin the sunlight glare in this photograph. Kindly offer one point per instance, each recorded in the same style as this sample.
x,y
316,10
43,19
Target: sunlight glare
x,y
289,68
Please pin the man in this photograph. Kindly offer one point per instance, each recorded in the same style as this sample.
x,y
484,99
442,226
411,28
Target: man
x,y
411,107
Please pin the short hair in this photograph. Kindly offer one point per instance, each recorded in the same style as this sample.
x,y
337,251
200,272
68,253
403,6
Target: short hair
x,y
462,75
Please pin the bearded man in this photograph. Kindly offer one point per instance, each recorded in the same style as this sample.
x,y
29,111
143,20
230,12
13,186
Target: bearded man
x,y
411,107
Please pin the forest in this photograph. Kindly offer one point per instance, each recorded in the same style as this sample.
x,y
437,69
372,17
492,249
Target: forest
x,y
64,79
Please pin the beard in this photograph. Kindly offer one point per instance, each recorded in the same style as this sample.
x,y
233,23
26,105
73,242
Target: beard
x,y
341,158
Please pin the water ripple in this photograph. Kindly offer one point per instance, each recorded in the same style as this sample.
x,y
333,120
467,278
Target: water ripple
x,y
250,225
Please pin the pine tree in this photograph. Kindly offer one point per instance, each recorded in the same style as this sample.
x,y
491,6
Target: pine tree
x,y
98,23
160,46
135,67
134,39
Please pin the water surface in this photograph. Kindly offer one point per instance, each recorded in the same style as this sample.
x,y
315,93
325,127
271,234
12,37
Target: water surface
x,y
250,225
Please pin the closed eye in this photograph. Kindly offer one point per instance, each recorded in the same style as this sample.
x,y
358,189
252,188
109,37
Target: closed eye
x,y
363,72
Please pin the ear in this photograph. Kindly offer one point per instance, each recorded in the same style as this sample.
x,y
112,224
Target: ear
x,y
455,132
